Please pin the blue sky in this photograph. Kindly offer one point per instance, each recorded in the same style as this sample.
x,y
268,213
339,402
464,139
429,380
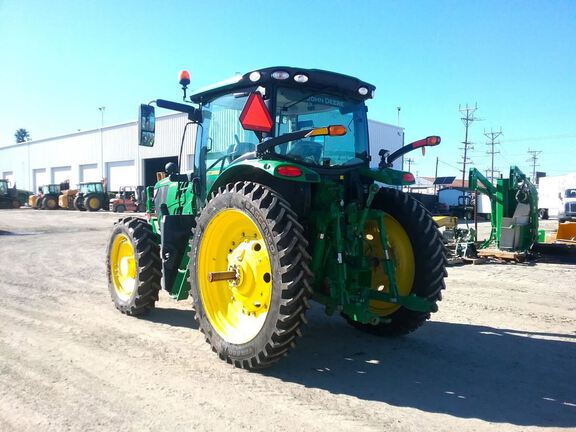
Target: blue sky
x,y
61,60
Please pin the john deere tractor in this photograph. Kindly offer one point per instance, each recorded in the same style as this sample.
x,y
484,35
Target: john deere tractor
x,y
281,208
91,196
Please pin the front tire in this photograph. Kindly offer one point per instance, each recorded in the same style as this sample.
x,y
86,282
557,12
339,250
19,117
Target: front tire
x,y
253,319
49,203
417,248
133,266
79,203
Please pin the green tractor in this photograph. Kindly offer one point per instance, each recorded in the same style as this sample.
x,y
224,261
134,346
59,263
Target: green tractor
x,y
48,197
8,196
281,207
91,196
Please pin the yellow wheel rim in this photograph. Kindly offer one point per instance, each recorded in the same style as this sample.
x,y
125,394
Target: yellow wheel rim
x,y
236,308
50,203
93,203
123,266
402,255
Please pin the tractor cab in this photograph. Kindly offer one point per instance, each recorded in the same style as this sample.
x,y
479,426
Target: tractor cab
x,y
51,189
92,187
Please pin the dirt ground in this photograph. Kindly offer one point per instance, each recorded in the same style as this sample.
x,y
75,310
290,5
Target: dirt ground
x,y
499,355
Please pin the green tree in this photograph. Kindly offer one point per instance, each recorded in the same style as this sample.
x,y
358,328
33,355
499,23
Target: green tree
x,y
22,135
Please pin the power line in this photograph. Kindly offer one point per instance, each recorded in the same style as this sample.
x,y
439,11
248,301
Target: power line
x,y
467,118
492,137
533,160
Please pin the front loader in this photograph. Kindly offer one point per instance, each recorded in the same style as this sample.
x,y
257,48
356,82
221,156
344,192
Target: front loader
x,y
281,208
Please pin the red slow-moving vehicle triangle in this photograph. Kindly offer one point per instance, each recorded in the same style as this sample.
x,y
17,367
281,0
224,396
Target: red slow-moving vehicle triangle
x,y
255,115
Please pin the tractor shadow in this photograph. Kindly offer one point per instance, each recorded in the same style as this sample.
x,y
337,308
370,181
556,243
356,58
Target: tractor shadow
x,y
467,371
183,318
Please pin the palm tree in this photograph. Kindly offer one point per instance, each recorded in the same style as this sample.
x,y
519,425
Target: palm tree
x,y
22,135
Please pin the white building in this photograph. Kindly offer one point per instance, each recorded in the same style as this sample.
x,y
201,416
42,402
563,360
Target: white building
x,y
113,153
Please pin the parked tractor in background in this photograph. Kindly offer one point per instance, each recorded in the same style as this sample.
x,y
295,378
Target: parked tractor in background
x,y
281,207
129,199
47,196
91,196
66,199
8,195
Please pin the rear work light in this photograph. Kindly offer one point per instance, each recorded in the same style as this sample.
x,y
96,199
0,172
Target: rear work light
x,y
289,171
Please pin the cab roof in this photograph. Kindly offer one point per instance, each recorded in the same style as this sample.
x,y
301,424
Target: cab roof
x,y
318,79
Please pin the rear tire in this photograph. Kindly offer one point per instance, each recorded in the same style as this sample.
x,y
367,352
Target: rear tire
x,y
251,321
429,261
133,266
16,204
121,208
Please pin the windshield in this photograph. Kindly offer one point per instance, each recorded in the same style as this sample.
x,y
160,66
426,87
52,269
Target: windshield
x,y
298,109
570,193
91,188
51,189
3,188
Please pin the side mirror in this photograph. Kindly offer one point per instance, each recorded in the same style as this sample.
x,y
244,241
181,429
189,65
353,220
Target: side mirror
x,y
146,125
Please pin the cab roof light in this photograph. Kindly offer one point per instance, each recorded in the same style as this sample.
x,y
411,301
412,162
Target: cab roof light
x,y
289,171
254,76
300,78
280,75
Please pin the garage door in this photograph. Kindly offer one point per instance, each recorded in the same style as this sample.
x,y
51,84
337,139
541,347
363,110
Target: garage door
x,y
61,174
40,177
89,173
120,174
8,175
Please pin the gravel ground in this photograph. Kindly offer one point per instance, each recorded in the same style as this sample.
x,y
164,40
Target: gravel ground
x,y
499,355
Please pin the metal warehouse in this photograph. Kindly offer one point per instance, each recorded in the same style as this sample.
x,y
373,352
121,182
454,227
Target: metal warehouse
x,y
113,153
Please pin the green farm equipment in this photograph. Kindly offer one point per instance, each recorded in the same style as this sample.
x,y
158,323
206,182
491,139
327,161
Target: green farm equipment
x,y
47,198
281,207
514,212
8,196
91,196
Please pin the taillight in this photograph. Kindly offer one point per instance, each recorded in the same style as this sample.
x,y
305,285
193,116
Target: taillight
x,y
289,171
408,177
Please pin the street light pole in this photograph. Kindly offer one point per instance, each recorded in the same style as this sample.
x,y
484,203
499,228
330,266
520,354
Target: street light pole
x,y
102,109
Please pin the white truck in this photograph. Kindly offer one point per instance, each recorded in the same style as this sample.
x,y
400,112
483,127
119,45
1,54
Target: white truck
x,y
557,197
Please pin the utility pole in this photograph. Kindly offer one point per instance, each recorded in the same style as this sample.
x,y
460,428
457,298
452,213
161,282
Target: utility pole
x,y
533,160
102,109
467,118
409,161
492,137
436,175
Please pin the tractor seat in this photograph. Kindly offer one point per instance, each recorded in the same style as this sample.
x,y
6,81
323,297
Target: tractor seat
x,y
239,149
306,151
